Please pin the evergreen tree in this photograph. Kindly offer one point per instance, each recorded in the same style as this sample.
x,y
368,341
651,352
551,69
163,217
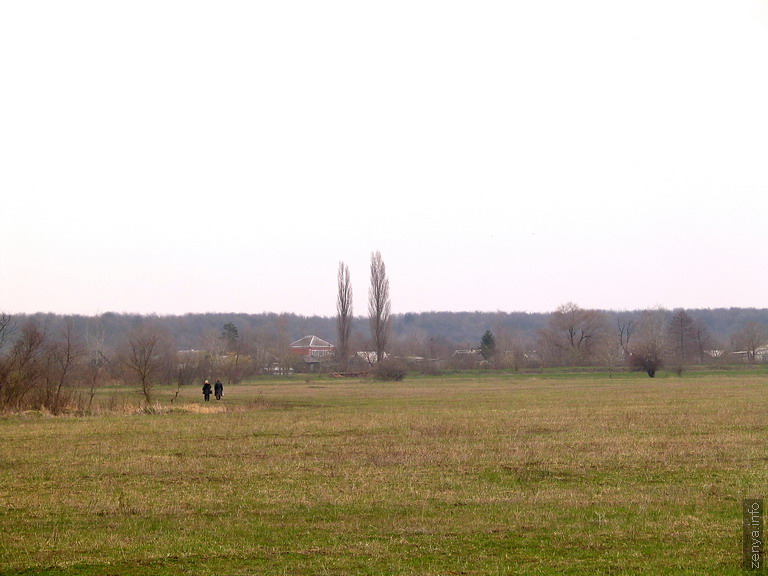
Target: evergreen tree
x,y
230,334
488,345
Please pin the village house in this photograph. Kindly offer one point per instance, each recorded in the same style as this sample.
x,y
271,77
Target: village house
x,y
314,351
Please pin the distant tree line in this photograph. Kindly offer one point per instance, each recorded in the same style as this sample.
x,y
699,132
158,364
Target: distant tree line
x,y
643,340
56,362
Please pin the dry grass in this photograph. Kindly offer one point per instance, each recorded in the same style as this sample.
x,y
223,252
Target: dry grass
x,y
435,476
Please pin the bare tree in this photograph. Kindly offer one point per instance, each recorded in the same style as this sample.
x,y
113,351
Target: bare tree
x,y
96,361
648,349
6,329
647,356
749,338
575,334
510,346
344,315
611,355
24,369
64,356
704,342
146,354
215,347
276,346
379,305
263,357
625,327
681,338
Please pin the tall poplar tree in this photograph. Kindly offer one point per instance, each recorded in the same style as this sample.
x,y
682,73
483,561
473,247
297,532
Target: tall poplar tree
x,y
379,305
344,315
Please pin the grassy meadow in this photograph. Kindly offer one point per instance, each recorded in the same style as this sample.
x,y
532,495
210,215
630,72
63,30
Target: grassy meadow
x,y
456,474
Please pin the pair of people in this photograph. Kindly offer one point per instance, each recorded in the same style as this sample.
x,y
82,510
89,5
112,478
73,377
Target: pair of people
x,y
218,390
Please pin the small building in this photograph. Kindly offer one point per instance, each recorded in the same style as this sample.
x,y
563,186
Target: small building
x,y
467,358
313,346
758,355
369,357
314,352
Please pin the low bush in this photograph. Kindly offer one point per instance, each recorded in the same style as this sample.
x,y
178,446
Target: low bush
x,y
389,371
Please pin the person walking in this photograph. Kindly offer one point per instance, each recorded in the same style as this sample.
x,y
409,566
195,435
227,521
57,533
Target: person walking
x,y
207,391
218,389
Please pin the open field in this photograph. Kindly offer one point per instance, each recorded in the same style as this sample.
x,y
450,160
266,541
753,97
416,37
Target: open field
x,y
473,474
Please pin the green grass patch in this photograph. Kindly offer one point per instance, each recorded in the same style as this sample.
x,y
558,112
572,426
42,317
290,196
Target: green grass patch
x,y
481,474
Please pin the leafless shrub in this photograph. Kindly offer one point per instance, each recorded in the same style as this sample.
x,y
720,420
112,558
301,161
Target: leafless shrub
x,y
389,371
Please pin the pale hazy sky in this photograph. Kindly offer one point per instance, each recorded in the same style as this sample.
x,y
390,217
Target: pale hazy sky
x,y
197,156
